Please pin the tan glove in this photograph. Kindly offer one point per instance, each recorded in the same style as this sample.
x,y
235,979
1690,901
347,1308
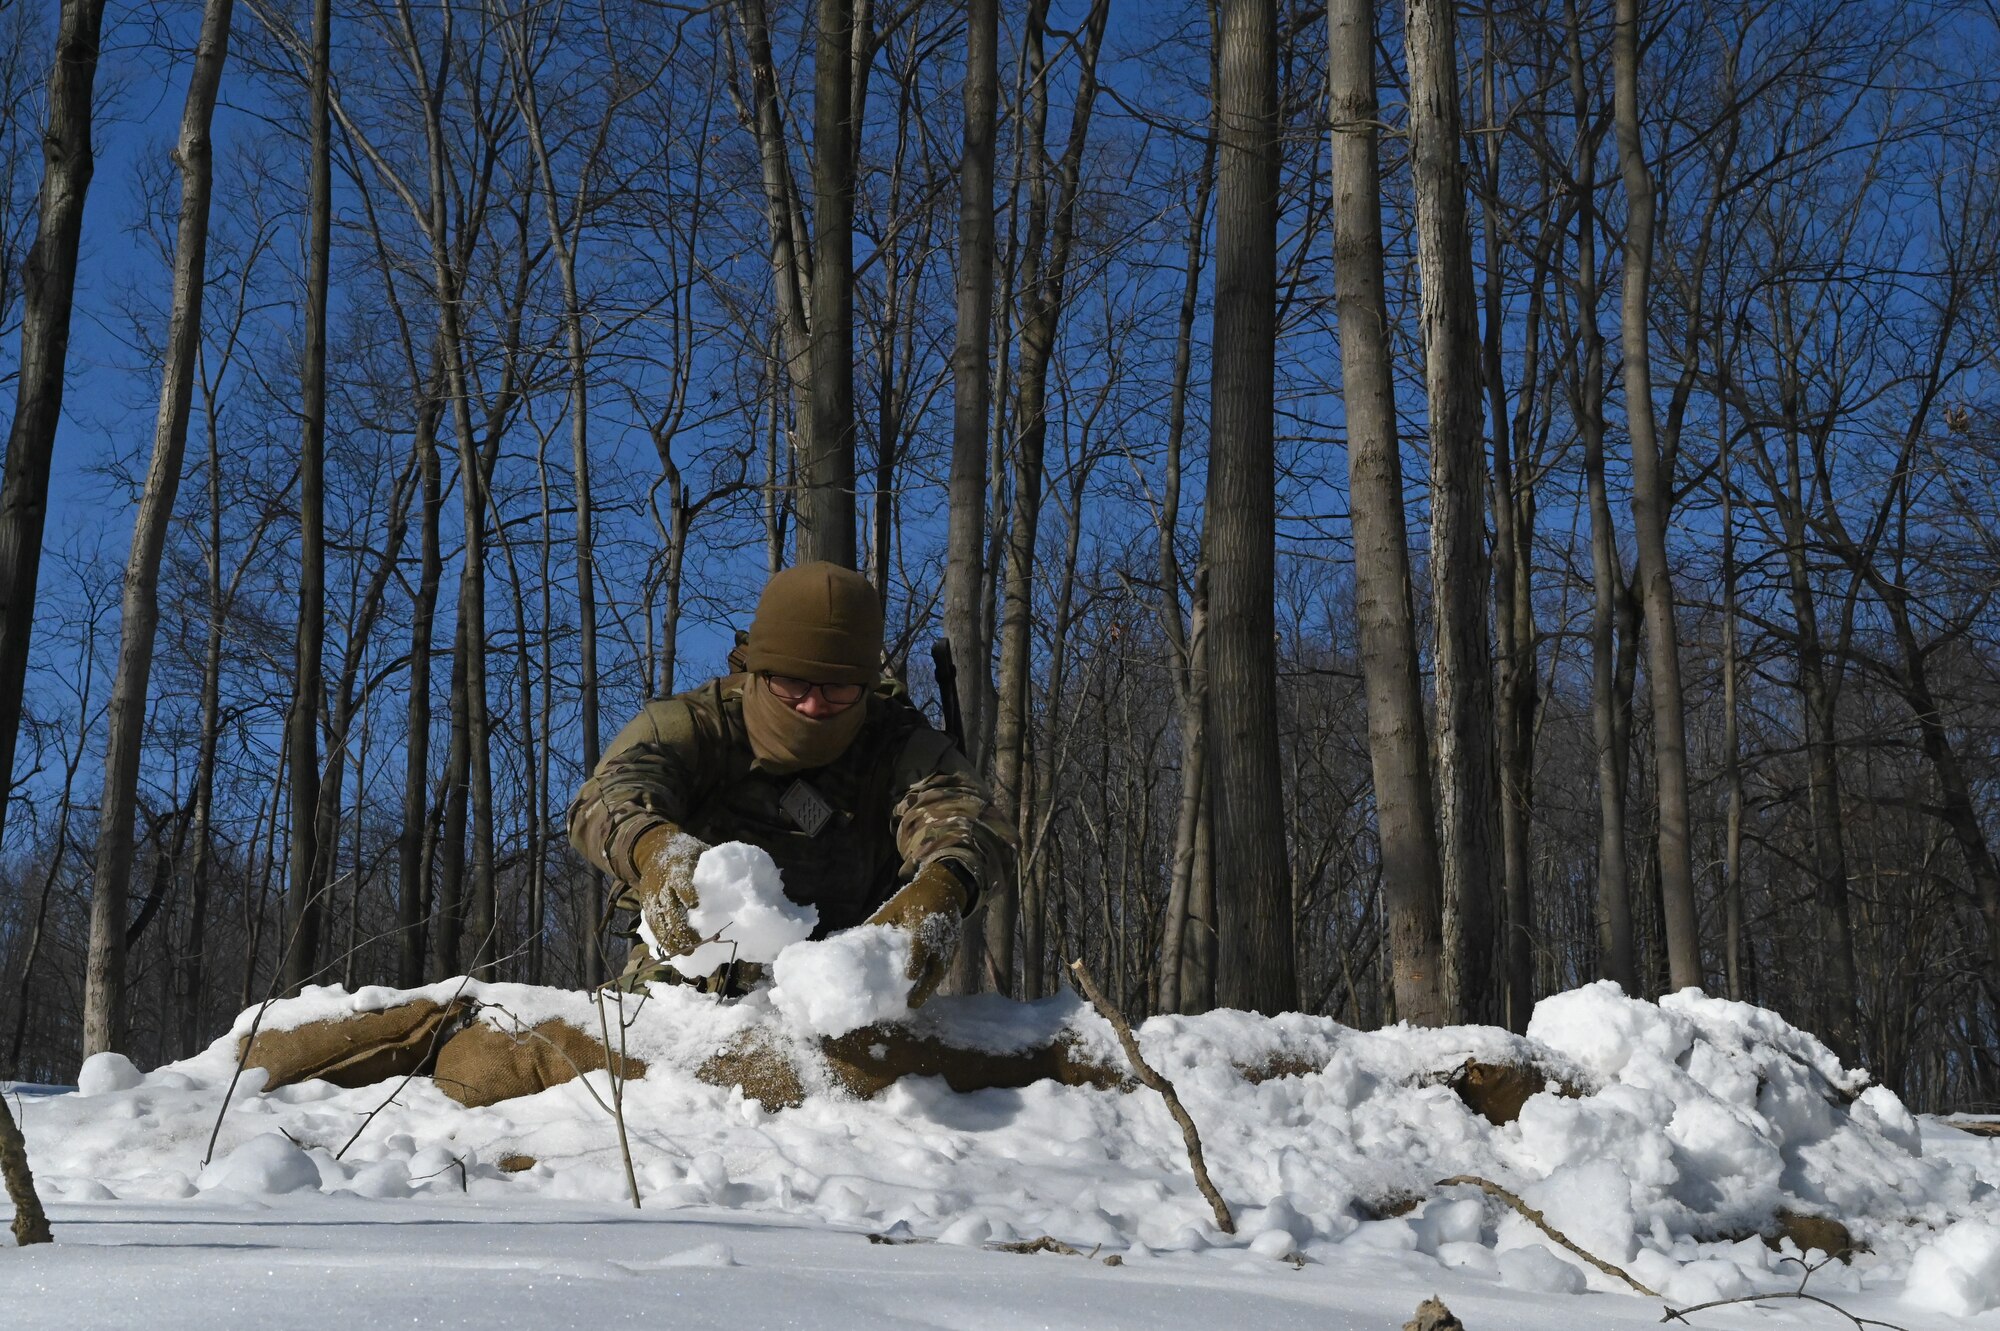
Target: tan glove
x,y
931,907
665,857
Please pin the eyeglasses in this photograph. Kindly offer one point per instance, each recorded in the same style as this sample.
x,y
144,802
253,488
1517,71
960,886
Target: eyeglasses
x,y
796,690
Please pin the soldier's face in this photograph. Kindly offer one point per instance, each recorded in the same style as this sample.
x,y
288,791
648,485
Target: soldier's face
x,y
815,700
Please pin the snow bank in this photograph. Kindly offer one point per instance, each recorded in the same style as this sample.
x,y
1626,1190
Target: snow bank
x,y
1667,1138
1958,1272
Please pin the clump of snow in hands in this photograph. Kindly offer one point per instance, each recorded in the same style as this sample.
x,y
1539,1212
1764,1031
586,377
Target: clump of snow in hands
x,y
1697,1120
853,979
741,904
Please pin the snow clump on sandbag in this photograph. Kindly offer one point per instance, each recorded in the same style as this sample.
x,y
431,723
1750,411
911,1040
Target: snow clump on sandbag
x,y
853,979
741,903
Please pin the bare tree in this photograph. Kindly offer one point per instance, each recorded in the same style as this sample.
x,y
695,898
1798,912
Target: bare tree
x,y
972,396
826,491
1052,208
1467,783
1255,967
1650,505
48,280
104,991
1398,746
305,908
1617,954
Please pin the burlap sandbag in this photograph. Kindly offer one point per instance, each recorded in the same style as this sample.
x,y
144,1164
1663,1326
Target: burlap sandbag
x,y
868,1061
356,1050
483,1064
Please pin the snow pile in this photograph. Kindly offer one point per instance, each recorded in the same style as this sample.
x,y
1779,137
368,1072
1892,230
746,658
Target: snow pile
x,y
268,1164
853,979
104,1073
1958,1272
1667,1139
1713,1117
741,905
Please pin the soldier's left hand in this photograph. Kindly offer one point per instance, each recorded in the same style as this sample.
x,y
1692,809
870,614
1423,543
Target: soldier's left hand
x,y
931,908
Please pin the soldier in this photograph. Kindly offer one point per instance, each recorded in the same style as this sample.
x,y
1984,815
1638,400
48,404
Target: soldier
x,y
807,751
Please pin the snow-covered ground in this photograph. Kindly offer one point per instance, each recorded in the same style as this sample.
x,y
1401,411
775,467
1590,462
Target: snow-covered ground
x,y
1700,1119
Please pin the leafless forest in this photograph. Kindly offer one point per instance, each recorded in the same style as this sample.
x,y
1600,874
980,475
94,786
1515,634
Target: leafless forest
x,y
1430,505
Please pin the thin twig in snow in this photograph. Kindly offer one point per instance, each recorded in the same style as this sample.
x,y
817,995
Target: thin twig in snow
x,y
1672,1314
1148,1077
614,1067
1534,1217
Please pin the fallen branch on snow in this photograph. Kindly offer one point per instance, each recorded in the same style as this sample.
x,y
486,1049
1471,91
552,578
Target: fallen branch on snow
x,y
1534,1217
1148,1077
31,1223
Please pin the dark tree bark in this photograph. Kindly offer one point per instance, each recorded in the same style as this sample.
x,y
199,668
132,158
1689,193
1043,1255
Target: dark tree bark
x,y
1517,689
31,1223
1617,953
413,842
448,927
1467,782
826,490
971,372
1732,762
1650,504
1255,966
48,284
304,907
1398,747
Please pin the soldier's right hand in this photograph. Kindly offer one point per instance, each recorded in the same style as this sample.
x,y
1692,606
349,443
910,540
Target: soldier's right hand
x,y
665,857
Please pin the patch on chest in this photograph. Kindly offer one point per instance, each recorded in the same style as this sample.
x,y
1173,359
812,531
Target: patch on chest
x,y
806,807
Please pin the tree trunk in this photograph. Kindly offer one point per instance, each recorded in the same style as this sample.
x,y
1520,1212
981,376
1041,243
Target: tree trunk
x,y
1517,690
826,491
413,862
48,285
192,970
1650,501
305,908
562,235
791,267
1467,782
1044,276
1398,747
31,1223
1617,954
104,988
1732,847
1186,642
1255,967
450,928
972,408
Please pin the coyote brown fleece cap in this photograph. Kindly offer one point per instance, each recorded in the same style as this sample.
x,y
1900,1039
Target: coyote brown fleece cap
x,y
817,622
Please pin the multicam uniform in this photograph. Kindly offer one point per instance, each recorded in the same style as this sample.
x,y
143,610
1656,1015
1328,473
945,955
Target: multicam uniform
x,y
901,797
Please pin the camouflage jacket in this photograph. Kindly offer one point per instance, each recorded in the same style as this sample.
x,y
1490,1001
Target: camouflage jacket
x,y
900,797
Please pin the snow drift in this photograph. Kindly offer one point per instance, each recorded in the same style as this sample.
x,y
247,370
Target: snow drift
x,y
1669,1139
